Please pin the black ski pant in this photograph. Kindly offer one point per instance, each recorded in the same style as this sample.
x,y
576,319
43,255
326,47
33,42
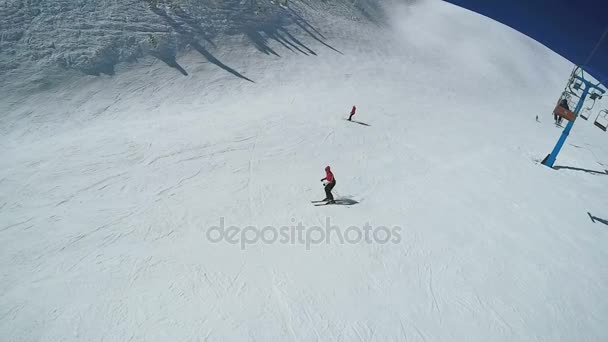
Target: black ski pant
x,y
328,189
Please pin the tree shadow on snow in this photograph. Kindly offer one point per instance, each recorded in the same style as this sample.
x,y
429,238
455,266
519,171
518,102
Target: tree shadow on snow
x,y
216,61
198,23
170,61
595,218
191,39
276,28
261,23
306,27
261,34
193,23
593,172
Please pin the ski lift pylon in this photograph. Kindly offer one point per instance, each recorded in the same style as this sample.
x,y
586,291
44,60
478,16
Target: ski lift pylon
x,y
601,121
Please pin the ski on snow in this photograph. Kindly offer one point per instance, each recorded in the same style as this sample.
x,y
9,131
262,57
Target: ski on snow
x,y
321,203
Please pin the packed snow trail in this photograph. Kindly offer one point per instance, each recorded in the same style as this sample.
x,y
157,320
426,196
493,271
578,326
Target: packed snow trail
x,y
109,185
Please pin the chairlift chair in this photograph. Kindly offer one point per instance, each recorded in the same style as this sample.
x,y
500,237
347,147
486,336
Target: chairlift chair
x,y
601,121
563,112
586,112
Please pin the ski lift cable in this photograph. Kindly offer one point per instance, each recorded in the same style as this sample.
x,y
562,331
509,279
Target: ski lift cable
x,y
599,42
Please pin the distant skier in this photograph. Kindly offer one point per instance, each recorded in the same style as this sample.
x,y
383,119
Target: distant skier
x,y
331,182
352,113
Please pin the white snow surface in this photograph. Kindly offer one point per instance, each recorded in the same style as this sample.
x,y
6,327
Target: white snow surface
x,y
109,184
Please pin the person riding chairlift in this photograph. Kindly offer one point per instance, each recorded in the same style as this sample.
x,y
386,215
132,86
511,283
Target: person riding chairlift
x,y
564,104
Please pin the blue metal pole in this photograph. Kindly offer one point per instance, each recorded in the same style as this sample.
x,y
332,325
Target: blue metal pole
x,y
562,139
550,160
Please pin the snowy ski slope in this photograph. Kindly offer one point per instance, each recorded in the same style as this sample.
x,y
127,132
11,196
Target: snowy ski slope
x,y
109,186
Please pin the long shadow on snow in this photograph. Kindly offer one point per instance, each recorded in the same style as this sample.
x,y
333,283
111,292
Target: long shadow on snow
x,y
595,218
170,61
304,25
346,201
358,122
305,22
593,172
193,23
260,35
216,61
276,29
196,45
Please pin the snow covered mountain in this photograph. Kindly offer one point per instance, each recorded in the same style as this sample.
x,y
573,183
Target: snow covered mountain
x,y
127,143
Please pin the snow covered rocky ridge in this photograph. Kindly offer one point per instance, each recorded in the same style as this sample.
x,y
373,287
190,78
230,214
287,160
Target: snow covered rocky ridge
x,y
109,184
94,36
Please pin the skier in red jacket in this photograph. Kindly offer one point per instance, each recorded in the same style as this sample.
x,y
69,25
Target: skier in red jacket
x,y
352,112
331,182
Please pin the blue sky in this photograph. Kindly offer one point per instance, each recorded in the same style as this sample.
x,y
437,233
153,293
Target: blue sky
x,y
571,28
